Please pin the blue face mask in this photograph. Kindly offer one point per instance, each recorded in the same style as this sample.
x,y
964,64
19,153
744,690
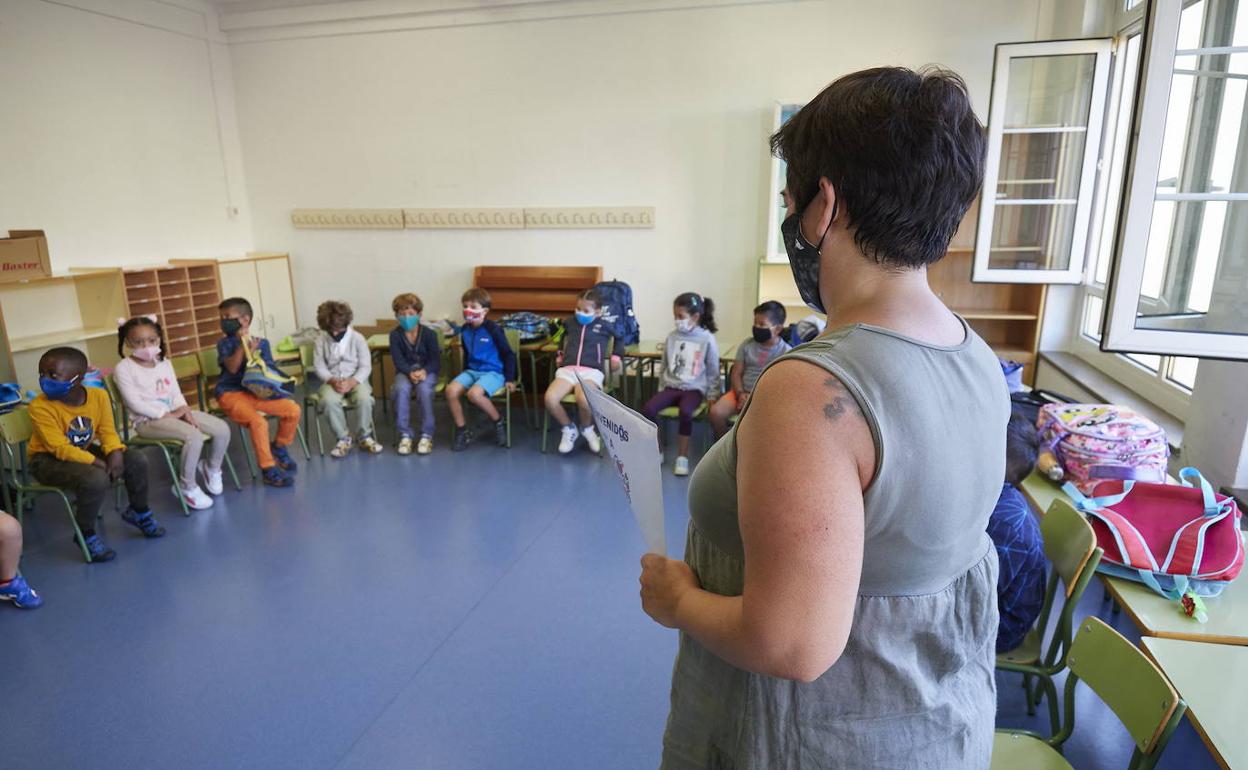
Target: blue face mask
x,y
57,390
409,322
585,319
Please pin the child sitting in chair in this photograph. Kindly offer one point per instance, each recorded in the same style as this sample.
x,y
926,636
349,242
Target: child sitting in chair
x,y
753,356
417,364
1015,533
585,345
489,366
247,409
75,446
344,364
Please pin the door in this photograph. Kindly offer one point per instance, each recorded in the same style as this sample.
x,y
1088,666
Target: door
x,y
278,297
1044,138
238,279
1180,279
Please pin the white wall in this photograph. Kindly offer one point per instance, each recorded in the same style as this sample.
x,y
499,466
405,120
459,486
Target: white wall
x,y
666,109
117,133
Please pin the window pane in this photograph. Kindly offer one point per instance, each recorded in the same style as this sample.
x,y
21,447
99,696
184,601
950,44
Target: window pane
x,y
1155,254
1201,290
1049,91
1092,309
1130,67
1183,371
1151,363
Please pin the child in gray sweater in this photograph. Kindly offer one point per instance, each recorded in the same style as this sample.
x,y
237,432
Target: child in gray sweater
x,y
690,369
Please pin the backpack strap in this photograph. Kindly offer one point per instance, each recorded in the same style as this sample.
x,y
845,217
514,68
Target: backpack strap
x,y
1132,546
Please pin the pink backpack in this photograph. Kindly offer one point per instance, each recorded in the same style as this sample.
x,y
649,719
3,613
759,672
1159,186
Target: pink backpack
x,y
1102,441
1171,538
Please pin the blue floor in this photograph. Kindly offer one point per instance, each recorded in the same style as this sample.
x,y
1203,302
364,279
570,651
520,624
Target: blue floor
x,y
452,611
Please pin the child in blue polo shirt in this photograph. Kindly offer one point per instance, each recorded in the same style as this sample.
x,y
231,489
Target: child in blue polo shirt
x,y
489,366
1015,533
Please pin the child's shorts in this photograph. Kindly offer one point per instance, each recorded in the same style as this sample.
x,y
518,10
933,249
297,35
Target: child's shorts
x,y
490,382
568,374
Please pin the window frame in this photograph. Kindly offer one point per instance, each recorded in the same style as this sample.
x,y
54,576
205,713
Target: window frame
x,y
1156,387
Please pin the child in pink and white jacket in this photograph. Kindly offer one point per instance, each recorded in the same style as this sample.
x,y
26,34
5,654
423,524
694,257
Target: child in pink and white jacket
x,y
158,410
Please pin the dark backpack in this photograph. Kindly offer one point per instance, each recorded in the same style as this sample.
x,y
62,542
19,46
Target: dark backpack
x,y
1028,402
617,311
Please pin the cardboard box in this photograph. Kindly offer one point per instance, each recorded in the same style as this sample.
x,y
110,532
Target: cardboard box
x,y
24,255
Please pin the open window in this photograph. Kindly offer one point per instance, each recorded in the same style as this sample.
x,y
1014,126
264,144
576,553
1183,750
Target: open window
x,y
1179,284
1044,137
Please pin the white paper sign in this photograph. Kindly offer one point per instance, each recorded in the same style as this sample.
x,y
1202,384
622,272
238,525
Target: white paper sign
x,y
633,446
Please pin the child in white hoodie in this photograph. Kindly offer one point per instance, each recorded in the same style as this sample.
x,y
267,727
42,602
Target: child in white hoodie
x,y
344,363
690,369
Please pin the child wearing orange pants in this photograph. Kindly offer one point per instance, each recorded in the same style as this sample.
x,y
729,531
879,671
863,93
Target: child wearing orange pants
x,y
248,410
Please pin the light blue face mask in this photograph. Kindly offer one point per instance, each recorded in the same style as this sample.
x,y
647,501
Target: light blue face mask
x,y
409,322
585,319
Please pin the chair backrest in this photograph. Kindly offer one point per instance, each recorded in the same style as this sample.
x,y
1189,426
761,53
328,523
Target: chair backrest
x,y
16,427
185,366
1128,682
1068,541
121,420
208,364
513,341
306,355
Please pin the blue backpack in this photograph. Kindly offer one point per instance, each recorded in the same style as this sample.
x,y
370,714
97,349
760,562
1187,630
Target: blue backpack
x,y
532,327
12,396
617,311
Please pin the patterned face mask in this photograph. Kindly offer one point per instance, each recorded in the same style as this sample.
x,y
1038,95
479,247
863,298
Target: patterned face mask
x,y
804,259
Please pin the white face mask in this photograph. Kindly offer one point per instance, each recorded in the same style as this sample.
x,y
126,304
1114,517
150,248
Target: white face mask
x,y
684,325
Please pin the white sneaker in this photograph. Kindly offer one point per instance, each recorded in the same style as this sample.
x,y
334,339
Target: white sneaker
x,y
682,466
425,446
405,445
592,439
568,441
370,445
342,448
195,498
213,482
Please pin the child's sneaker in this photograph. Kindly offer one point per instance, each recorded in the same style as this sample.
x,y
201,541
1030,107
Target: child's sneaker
x,y
592,439
567,439
500,432
682,466
370,445
214,483
405,445
20,593
341,449
144,522
195,498
425,446
97,550
462,437
284,461
275,477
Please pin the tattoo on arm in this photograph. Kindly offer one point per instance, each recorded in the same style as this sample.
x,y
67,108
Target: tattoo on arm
x,y
841,403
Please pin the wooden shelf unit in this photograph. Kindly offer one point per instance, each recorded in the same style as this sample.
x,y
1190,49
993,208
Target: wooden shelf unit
x,y
184,297
1007,316
77,309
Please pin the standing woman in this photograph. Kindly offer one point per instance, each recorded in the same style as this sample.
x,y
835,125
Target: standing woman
x,y
837,601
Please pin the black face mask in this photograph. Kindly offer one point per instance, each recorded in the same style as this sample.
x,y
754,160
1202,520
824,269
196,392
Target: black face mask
x,y
804,259
762,334
231,326
338,337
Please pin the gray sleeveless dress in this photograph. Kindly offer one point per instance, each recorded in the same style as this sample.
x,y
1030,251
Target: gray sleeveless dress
x,y
914,687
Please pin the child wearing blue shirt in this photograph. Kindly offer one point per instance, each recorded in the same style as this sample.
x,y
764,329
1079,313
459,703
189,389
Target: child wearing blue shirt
x,y
1016,535
489,366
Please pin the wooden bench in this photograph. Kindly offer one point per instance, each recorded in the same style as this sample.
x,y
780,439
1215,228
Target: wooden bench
x,y
548,291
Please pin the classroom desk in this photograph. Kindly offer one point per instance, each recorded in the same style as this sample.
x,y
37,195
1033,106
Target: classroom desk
x,y
1211,678
1154,615
1160,617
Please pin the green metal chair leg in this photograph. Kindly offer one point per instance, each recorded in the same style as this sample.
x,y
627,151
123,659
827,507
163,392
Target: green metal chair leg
x,y
303,442
229,464
249,453
545,430
73,522
508,407
320,437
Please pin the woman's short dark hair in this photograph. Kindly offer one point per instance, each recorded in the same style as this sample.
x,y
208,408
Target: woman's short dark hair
x,y
904,152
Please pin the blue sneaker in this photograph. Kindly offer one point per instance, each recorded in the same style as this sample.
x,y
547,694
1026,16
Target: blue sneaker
x,y
98,551
144,521
284,461
276,477
20,593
